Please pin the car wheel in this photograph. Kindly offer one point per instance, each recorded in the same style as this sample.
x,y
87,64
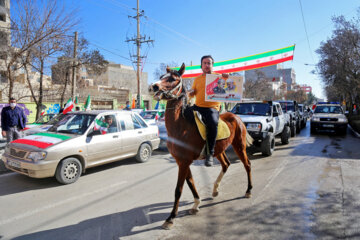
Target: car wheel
x,y
312,130
268,145
285,135
293,130
342,131
144,153
68,171
298,127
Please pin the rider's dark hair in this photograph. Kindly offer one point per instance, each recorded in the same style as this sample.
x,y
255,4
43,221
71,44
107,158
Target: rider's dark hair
x,y
207,56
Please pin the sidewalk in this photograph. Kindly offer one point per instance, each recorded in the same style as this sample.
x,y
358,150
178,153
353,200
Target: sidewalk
x,y
2,146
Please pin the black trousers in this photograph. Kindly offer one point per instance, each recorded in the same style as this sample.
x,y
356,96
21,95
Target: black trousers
x,y
210,117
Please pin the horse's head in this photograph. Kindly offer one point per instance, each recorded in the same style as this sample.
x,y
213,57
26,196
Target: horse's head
x,y
170,86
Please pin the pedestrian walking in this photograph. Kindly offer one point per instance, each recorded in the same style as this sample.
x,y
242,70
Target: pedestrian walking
x,y
13,120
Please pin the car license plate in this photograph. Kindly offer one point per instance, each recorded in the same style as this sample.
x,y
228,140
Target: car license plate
x,y
329,125
13,163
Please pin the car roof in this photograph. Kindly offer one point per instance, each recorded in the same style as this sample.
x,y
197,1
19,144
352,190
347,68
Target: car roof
x,y
97,112
328,104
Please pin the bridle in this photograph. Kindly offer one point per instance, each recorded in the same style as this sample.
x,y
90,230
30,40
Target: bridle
x,y
170,93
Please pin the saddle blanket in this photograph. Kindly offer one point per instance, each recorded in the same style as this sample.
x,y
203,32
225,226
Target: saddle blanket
x,y
223,129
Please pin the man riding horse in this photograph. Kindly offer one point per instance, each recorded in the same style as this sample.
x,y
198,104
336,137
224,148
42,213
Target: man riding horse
x,y
209,110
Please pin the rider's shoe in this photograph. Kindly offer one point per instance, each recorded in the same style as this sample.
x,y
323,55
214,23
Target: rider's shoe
x,y
209,160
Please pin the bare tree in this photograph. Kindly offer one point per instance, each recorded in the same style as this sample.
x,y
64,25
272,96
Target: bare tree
x,y
162,69
340,62
91,59
259,88
36,22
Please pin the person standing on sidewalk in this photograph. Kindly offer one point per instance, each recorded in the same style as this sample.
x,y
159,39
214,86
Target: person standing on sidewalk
x,y
13,119
209,110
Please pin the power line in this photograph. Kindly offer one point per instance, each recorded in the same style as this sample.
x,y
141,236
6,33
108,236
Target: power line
x,y
306,33
110,51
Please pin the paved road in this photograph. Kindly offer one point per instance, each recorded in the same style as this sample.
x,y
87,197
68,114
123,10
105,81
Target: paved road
x,y
308,189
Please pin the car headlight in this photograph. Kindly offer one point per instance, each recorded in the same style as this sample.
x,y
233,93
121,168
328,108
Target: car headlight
x,y
37,156
342,120
315,119
256,127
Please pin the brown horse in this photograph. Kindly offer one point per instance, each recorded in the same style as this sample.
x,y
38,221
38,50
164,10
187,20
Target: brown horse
x,y
185,143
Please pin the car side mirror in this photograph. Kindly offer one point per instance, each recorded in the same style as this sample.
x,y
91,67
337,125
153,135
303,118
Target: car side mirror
x,y
275,114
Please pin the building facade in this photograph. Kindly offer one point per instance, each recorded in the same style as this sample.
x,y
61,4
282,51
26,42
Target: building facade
x,y
276,75
307,89
4,36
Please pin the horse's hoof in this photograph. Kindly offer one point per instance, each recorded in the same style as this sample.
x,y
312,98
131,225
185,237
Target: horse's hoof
x,y
167,225
247,195
215,194
193,211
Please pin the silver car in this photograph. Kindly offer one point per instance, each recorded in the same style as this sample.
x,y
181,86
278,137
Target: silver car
x,y
81,140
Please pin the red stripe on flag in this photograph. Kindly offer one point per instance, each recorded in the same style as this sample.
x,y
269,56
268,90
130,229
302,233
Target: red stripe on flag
x,y
33,143
260,65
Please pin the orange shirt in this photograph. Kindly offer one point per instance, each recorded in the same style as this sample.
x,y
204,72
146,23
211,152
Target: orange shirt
x,y
199,86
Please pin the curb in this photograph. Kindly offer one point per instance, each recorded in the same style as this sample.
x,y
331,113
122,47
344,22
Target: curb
x,y
356,133
3,169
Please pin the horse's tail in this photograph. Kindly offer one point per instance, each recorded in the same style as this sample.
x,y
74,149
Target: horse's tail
x,y
249,139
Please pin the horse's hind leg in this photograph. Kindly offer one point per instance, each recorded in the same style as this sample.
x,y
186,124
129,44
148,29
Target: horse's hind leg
x,y
240,150
197,201
225,163
183,172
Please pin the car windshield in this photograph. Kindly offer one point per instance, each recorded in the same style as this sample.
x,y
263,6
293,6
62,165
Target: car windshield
x,y
287,106
261,109
45,118
148,115
56,119
328,109
73,124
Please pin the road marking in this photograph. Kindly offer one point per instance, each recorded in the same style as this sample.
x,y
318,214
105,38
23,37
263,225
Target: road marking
x,y
277,171
41,209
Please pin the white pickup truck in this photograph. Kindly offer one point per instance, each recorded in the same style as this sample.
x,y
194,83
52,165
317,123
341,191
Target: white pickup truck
x,y
264,121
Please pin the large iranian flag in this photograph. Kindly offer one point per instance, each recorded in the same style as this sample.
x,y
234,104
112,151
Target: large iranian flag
x,y
246,63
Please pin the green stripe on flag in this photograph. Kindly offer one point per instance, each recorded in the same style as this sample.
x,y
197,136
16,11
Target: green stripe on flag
x,y
244,59
62,137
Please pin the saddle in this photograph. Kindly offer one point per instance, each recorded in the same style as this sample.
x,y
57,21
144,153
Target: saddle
x,y
223,129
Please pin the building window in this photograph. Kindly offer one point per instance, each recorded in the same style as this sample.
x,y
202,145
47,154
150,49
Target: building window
x,y
2,3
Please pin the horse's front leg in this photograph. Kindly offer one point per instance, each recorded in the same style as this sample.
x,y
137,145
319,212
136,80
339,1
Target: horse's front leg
x,y
183,172
190,181
224,161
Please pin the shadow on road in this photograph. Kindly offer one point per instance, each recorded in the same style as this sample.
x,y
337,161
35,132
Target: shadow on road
x,y
315,217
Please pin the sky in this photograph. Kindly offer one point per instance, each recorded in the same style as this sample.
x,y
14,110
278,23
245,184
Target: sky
x,y
185,30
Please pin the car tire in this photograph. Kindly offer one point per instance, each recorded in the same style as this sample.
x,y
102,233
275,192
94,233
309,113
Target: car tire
x,y
342,132
68,171
285,135
298,127
293,130
312,130
144,153
268,145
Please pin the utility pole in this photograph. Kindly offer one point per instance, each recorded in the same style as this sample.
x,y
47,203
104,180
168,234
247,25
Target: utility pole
x,y
138,41
74,67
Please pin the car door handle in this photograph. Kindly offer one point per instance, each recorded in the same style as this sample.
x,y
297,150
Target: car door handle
x,y
116,136
139,132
